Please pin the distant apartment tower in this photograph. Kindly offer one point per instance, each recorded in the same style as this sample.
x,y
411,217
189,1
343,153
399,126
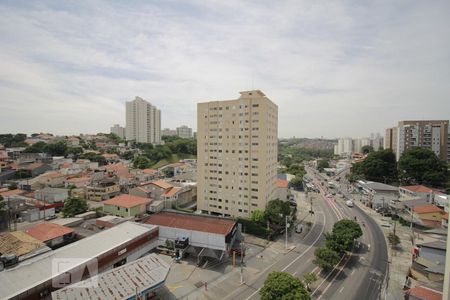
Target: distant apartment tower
x,y
344,147
237,154
430,134
359,143
118,130
184,132
143,122
168,132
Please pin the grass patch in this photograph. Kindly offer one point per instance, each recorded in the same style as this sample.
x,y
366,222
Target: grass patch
x,y
173,159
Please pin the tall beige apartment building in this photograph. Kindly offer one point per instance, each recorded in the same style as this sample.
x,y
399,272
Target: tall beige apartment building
x,y
430,134
143,122
236,154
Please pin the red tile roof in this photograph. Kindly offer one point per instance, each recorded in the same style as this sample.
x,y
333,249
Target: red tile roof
x,y
281,183
48,231
172,191
192,222
425,293
12,193
127,201
421,189
426,209
34,166
162,184
149,171
445,216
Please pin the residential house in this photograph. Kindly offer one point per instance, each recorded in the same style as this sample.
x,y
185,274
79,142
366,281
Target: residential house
x,y
126,205
282,189
37,168
145,175
422,293
77,182
429,215
52,179
174,169
429,261
376,194
157,188
104,189
53,235
52,195
418,191
20,244
111,157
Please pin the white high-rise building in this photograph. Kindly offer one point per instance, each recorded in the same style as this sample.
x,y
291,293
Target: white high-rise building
x,y
143,122
118,130
344,147
184,132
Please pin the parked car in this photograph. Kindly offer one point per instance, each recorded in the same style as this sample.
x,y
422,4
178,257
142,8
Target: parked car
x,y
8,260
51,217
299,228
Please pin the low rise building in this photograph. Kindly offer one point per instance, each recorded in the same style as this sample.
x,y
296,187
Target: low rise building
x,y
418,191
52,195
429,215
53,235
20,244
104,189
282,189
110,248
376,194
429,261
126,206
52,179
136,280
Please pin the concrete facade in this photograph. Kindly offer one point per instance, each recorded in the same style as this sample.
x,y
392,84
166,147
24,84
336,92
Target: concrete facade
x,y
184,132
237,154
143,122
118,130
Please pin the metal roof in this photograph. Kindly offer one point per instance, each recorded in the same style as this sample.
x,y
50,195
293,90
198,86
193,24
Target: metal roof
x,y
123,282
38,270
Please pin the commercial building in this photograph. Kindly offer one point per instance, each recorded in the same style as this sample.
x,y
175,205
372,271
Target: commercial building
x,y
430,134
376,194
237,154
143,122
136,280
184,132
118,130
43,274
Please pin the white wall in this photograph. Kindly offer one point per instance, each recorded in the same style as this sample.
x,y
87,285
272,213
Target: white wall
x,y
196,238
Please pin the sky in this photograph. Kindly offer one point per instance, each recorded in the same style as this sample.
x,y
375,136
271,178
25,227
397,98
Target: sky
x,y
334,68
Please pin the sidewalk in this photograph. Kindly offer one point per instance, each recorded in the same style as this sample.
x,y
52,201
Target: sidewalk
x,y
400,257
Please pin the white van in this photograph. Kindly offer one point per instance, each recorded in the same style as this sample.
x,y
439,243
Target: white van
x,y
349,203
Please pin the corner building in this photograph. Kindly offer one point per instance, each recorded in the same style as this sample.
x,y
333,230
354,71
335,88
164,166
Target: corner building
x,y
237,154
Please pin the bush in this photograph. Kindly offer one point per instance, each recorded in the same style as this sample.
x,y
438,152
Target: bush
x,y
254,228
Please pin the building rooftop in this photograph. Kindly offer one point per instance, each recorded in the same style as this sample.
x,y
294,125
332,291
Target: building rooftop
x,y
421,189
37,270
33,166
18,243
192,222
426,209
441,245
127,201
161,183
172,191
140,275
281,183
378,186
424,293
48,231
11,193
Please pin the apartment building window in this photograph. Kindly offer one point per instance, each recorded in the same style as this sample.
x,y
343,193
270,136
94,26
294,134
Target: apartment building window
x,y
255,105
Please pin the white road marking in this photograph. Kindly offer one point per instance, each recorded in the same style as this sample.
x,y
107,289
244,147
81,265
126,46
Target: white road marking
x,y
352,272
295,273
340,291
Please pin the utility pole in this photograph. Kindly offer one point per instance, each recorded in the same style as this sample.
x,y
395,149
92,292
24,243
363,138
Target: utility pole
x,y
411,225
242,262
285,242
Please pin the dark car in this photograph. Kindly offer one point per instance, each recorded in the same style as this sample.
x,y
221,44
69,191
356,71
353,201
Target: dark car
x,y
51,217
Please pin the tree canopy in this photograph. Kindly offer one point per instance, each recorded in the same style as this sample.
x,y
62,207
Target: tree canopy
x,y
342,237
74,206
367,149
325,258
277,210
379,166
322,164
422,166
281,285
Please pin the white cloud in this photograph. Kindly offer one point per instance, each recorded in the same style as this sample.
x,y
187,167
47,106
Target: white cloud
x,y
333,69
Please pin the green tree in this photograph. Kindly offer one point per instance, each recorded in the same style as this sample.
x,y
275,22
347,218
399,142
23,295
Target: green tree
x,y
325,258
94,157
56,149
39,147
379,166
74,206
309,278
342,237
322,164
297,183
128,155
258,216
142,162
394,240
422,166
277,210
366,149
281,285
